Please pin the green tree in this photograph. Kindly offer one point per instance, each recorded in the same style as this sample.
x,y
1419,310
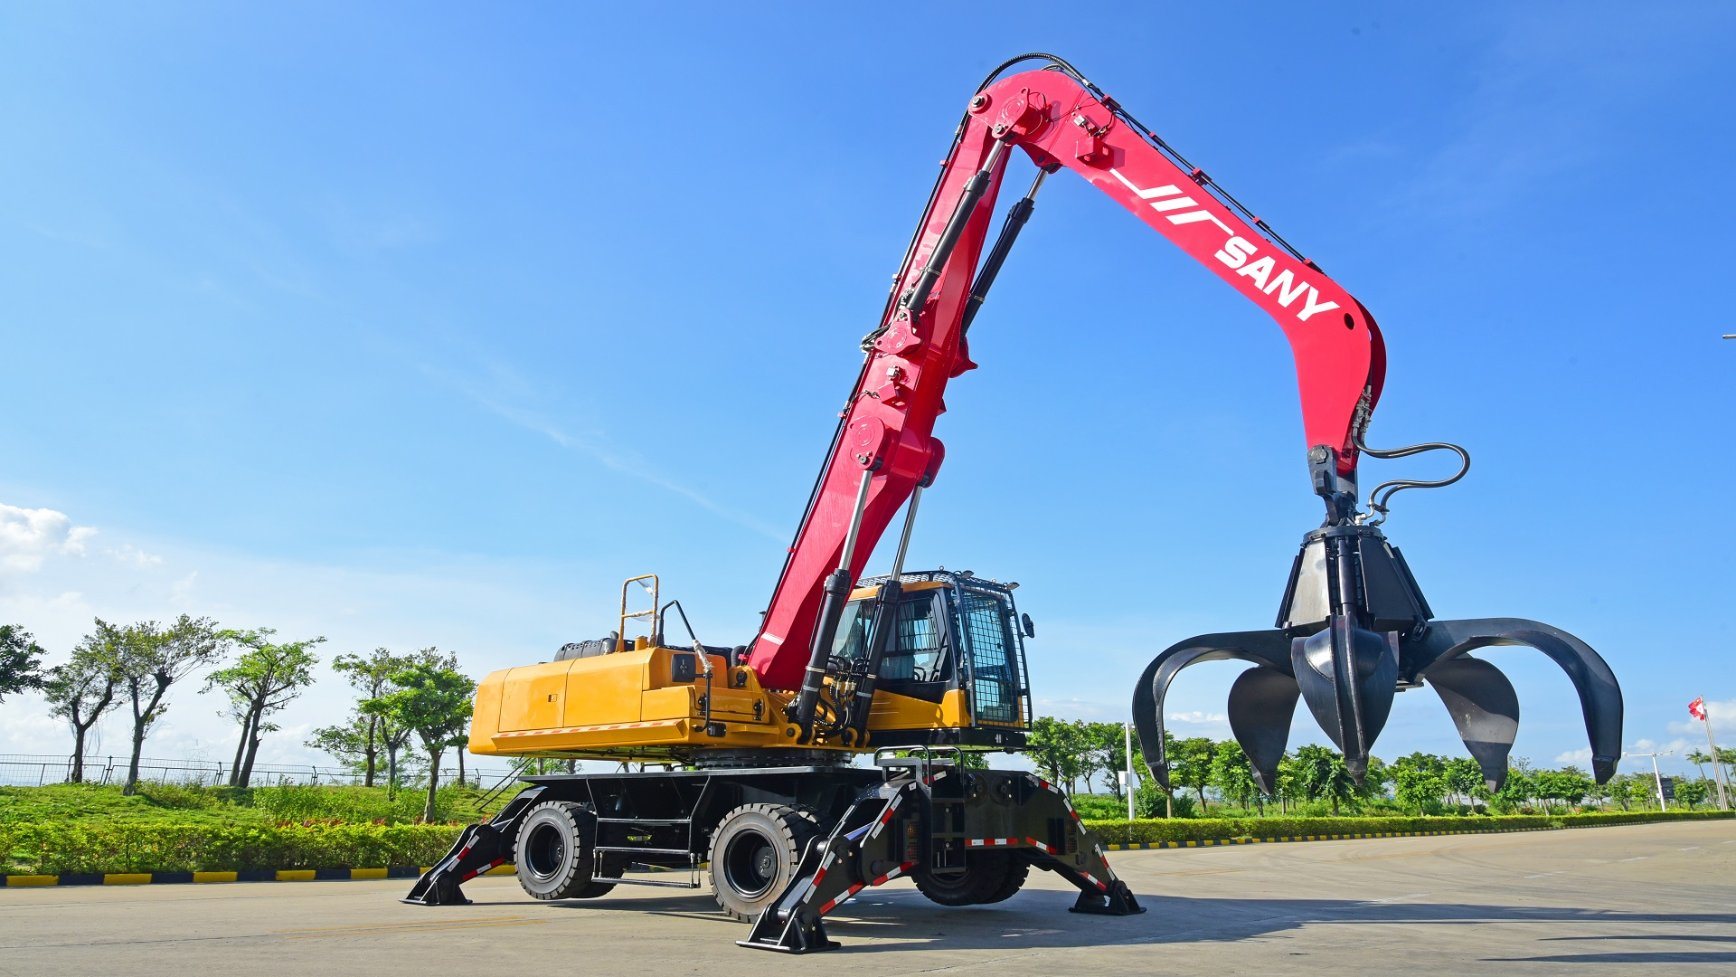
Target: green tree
x,y
1107,751
1692,792
264,678
152,658
1635,790
1727,759
1232,775
1699,758
1374,781
1321,775
1190,765
346,741
1419,782
431,698
20,661
370,676
1567,785
1289,786
1060,748
1465,779
83,689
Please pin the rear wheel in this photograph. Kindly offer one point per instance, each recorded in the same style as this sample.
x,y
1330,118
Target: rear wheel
x,y
553,861
754,853
989,876
1017,870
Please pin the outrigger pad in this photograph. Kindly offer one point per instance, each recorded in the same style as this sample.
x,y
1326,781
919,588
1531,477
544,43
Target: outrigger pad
x,y
887,833
479,848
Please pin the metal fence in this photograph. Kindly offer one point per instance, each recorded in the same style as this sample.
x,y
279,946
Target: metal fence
x,y
34,770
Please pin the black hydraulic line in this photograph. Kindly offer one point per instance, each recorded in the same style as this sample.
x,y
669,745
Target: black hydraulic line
x,y
955,225
1017,215
1380,498
885,628
836,596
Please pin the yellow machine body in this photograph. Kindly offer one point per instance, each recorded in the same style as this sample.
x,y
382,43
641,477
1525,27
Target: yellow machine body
x,y
647,701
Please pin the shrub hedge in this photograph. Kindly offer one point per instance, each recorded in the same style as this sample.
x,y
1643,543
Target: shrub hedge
x,y
53,848
1228,829
49,848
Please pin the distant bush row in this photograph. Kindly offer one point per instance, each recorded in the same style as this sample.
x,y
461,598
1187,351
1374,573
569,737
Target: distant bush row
x,y
57,848
1226,829
50,848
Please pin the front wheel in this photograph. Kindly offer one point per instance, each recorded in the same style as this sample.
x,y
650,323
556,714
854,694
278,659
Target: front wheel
x,y
754,854
553,860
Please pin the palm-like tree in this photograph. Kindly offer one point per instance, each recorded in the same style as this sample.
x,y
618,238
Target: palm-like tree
x,y
1699,758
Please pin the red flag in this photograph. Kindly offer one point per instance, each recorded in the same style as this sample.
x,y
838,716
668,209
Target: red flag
x,y
1697,708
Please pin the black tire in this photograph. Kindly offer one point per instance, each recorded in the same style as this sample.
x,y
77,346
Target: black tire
x,y
754,853
985,874
553,860
1017,871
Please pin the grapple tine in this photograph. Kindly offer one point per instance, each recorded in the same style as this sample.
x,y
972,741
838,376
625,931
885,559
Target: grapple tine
x,y
1269,648
1484,707
1599,694
1347,675
1262,703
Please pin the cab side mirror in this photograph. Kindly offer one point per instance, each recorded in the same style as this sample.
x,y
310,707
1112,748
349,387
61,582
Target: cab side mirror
x,y
1027,625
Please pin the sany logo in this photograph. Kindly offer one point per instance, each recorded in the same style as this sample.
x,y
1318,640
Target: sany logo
x,y
1236,251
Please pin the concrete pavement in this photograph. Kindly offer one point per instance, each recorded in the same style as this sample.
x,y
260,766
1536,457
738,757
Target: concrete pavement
x,y
1625,900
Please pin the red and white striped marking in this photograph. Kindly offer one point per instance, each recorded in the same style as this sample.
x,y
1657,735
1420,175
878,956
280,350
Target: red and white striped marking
x,y
1034,843
486,868
858,887
990,842
833,904
1094,880
886,815
582,729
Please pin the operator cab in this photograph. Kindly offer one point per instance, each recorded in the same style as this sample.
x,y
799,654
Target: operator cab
x,y
955,670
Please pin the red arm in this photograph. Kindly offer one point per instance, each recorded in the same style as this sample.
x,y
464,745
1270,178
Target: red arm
x,y
888,424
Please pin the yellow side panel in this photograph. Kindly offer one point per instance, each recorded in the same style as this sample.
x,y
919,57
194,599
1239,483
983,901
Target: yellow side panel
x,y
675,702
892,711
533,695
606,689
485,718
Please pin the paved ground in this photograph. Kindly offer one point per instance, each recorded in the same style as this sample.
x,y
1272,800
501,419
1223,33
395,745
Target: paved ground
x,y
1624,900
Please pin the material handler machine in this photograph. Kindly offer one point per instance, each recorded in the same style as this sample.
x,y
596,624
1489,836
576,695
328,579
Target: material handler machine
x,y
920,669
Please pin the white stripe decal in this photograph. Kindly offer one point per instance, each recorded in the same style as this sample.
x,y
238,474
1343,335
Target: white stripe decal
x,y
1167,190
1172,203
1195,216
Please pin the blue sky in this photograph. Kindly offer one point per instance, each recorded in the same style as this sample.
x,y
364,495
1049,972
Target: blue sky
x,y
408,326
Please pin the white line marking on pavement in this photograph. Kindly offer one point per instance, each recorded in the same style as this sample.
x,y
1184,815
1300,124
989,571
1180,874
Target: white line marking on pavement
x,y
1378,902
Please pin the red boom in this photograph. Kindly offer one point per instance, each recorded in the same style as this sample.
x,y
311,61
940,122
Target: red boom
x,y
887,429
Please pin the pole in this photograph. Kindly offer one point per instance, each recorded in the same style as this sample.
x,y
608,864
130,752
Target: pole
x,y
1663,805
1127,730
1717,768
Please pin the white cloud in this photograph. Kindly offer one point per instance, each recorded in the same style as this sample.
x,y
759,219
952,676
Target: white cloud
x,y
1579,758
493,614
1199,717
503,383
130,554
1721,714
30,536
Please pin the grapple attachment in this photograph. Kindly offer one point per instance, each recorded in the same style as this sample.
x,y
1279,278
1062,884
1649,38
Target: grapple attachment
x,y
1354,629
